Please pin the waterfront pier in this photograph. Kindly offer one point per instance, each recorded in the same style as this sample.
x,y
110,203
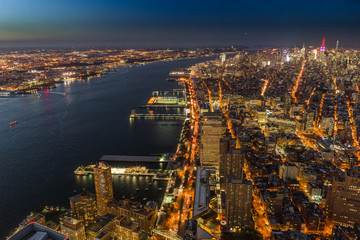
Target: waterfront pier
x,y
133,159
157,116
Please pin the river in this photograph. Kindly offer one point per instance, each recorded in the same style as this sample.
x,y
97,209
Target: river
x,y
57,133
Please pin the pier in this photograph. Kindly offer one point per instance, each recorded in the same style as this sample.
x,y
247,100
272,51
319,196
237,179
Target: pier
x,y
158,116
133,159
174,92
156,106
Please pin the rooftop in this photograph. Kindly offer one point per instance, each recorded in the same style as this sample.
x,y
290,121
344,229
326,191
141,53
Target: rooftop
x,y
34,231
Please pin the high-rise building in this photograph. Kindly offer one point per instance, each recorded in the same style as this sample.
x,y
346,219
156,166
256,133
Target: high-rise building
x,y
234,163
303,50
103,187
322,48
126,229
309,121
211,132
73,228
222,59
342,201
227,144
313,217
83,207
144,215
288,171
287,104
103,228
322,51
238,203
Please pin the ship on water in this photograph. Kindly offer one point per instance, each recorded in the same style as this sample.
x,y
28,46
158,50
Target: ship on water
x,y
13,124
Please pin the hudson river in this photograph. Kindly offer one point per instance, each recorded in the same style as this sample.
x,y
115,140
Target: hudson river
x,y
57,133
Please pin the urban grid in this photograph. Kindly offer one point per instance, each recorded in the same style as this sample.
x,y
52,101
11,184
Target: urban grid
x,y
261,97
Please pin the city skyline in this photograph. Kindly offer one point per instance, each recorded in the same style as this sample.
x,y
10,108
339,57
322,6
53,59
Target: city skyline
x,y
177,23
181,120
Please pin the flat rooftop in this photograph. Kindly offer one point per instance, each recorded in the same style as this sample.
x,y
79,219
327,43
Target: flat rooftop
x,y
125,158
202,192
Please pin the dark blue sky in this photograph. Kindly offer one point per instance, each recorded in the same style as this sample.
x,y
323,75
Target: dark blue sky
x,y
178,23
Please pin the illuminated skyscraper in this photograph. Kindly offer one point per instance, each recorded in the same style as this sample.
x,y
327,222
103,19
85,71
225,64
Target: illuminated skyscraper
x,y
287,104
303,50
337,45
103,187
227,144
239,201
212,130
222,58
234,163
322,48
342,201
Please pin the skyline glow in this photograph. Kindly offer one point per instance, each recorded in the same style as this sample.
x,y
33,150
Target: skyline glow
x,y
179,23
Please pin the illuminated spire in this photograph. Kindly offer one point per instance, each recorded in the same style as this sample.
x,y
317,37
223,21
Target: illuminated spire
x,y
322,48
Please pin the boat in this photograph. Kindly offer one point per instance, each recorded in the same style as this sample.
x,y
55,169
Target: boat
x,y
144,199
13,124
137,189
147,189
159,188
84,171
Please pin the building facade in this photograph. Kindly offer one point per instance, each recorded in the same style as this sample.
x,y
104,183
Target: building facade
x,y
83,207
238,203
342,202
73,228
103,187
211,132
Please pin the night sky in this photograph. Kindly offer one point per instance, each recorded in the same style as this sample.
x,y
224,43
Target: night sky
x,y
175,23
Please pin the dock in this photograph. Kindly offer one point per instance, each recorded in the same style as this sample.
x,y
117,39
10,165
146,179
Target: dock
x,y
133,159
162,106
157,116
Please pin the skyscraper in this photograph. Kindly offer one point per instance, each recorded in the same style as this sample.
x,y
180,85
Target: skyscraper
x,y
212,130
309,120
227,144
342,202
238,203
234,163
287,104
103,187
222,59
322,48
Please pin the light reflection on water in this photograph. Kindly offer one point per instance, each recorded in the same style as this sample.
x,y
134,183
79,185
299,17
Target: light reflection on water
x,y
126,186
56,133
